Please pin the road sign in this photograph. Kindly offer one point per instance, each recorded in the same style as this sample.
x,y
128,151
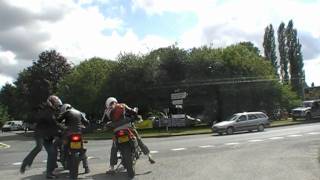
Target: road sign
x,y
180,95
177,102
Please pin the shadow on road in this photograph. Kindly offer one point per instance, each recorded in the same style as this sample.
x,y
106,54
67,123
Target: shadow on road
x,y
102,176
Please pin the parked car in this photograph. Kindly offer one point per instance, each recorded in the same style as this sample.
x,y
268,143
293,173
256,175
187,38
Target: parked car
x,y
12,126
246,121
309,110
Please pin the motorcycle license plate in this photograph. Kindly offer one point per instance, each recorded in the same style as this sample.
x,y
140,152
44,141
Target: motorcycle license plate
x,y
75,145
123,139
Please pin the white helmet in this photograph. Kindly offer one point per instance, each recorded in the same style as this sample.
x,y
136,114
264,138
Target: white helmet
x,y
65,108
110,100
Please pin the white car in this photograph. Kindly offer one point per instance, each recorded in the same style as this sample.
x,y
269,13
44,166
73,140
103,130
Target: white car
x,y
12,126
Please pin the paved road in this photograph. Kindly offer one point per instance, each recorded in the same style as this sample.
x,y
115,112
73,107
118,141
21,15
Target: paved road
x,y
282,153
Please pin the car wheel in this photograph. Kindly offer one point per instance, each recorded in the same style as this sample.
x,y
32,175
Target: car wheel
x,y
308,117
260,128
229,130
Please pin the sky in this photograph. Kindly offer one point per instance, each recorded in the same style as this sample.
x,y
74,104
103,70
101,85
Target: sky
x,y
81,29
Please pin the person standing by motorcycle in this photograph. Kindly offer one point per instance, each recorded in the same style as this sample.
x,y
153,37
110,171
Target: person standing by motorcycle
x,y
116,113
45,130
74,121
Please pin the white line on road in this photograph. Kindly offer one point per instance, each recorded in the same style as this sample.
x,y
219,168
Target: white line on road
x,y
91,157
178,149
275,138
4,146
154,152
255,140
17,163
314,133
230,144
295,135
206,146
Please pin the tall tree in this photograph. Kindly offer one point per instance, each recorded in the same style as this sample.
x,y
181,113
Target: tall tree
x,y
269,46
41,79
284,74
295,59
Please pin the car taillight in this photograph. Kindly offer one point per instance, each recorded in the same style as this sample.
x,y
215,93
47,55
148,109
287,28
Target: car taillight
x,y
75,137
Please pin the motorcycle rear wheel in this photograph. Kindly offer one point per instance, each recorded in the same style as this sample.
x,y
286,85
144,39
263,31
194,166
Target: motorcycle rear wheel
x,y
128,158
74,161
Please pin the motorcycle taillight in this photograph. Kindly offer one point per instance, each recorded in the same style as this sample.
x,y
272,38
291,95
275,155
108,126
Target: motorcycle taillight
x,y
120,133
75,137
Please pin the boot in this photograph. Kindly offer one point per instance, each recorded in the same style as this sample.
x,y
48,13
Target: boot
x,y
86,170
151,160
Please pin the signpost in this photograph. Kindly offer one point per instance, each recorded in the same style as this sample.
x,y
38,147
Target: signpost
x,y
180,95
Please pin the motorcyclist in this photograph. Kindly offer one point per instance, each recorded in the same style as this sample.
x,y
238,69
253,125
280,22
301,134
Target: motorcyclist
x,y
74,121
45,130
116,113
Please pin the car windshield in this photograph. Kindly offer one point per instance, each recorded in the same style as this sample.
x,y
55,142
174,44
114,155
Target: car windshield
x,y
232,118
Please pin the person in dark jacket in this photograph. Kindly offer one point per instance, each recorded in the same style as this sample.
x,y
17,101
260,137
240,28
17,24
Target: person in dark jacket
x,y
74,120
45,130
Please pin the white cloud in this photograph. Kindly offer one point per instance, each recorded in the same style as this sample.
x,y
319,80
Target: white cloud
x,y
7,57
312,71
5,79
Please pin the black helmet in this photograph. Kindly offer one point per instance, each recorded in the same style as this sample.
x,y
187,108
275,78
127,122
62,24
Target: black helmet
x,y
54,102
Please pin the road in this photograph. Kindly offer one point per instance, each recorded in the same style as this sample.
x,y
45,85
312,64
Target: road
x,y
282,153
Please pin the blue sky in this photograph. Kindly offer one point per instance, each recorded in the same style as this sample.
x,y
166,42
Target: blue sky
x,y
81,29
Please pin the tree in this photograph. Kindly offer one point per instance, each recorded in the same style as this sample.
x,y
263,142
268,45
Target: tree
x,y
284,74
82,88
4,116
270,47
35,83
295,59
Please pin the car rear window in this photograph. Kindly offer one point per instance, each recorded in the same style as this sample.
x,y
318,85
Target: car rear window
x,y
261,115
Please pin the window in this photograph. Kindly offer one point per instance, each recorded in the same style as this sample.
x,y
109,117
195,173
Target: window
x,y
242,118
252,116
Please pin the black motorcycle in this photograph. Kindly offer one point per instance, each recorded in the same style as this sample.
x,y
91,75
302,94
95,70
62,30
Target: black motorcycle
x,y
71,153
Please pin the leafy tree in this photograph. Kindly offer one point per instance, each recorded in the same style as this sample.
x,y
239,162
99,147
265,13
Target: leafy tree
x,y
4,116
8,98
270,47
82,88
295,59
283,51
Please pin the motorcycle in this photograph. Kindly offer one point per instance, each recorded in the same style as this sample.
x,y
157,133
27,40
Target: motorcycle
x,y
127,144
71,153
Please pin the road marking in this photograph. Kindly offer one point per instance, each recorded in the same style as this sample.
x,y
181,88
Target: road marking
x,y
178,149
206,146
154,152
275,138
314,133
17,163
255,140
4,146
230,144
295,135
91,157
